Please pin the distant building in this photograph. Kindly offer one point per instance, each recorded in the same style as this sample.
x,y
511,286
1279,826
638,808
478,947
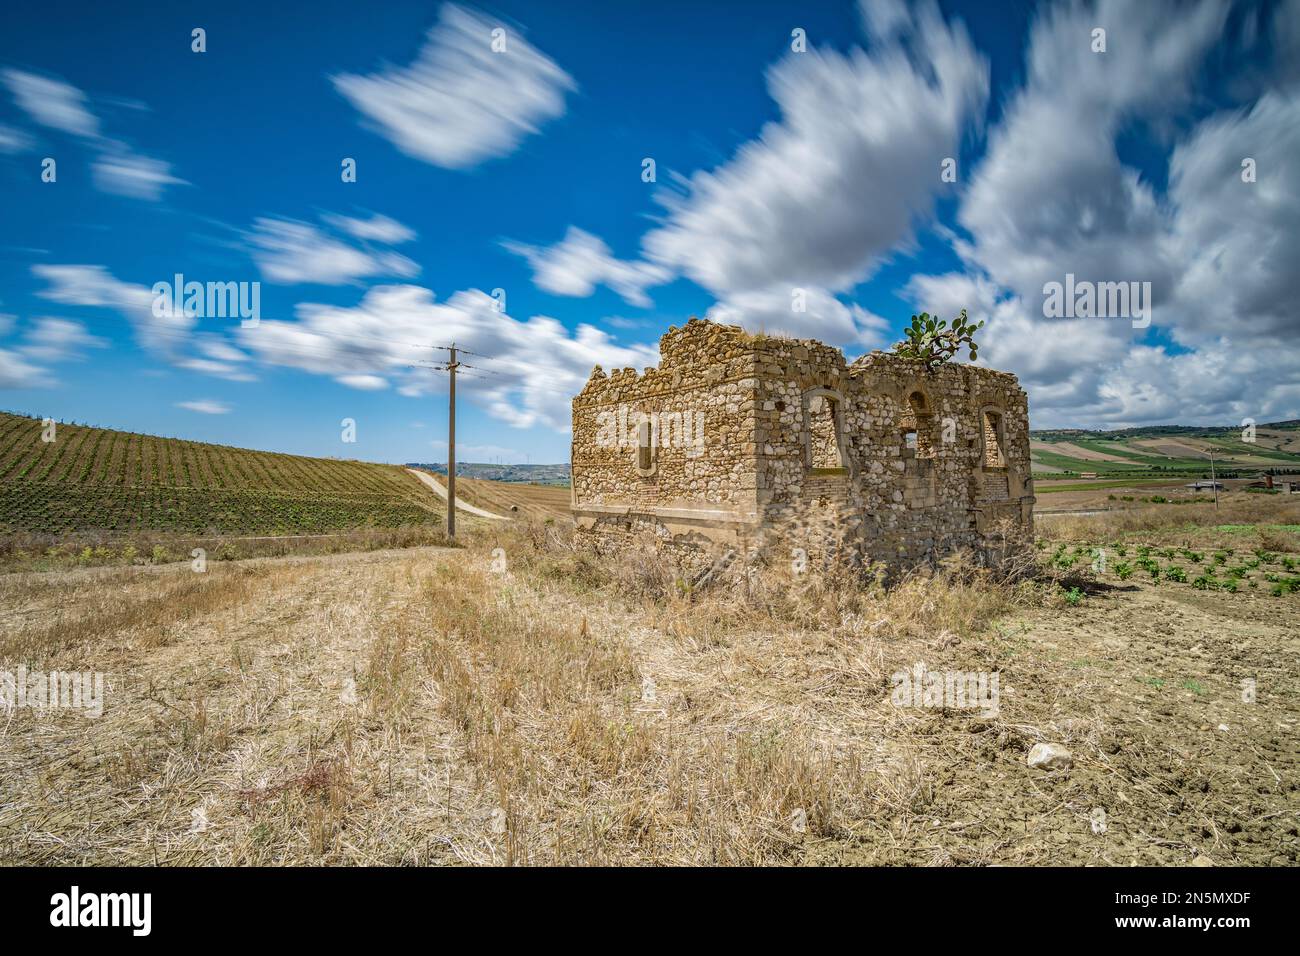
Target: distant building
x,y
1088,474
1205,486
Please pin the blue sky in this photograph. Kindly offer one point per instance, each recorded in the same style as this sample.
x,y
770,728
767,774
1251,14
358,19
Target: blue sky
x,y
521,170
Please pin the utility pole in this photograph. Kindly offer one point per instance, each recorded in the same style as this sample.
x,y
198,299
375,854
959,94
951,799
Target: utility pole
x,y
452,365
1214,482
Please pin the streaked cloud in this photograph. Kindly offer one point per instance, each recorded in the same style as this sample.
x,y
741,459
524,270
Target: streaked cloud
x,y
125,173
378,228
460,103
53,103
289,251
528,372
579,263
59,105
837,184
57,340
205,406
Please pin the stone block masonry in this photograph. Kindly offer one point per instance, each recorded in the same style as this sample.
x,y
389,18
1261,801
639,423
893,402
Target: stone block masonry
x,y
739,438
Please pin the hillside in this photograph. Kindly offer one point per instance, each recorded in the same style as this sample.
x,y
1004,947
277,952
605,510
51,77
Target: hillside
x,y
97,479
1167,451
526,474
512,498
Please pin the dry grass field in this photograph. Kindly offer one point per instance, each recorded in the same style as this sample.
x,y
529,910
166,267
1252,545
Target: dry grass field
x,y
426,706
513,499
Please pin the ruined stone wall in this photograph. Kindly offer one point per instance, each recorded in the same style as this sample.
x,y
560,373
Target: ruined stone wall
x,y
799,446
699,406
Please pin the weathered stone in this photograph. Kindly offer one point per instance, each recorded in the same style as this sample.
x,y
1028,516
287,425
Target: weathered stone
x,y
1050,757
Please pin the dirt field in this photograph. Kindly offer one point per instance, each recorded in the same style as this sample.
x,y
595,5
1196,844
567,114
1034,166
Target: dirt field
x,y
1076,451
1071,494
429,706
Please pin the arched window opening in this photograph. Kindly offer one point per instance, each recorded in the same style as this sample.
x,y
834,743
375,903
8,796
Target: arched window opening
x,y
993,441
918,426
645,448
823,433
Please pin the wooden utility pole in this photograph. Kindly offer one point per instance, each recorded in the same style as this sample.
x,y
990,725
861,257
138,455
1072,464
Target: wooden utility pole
x,y
452,365
1214,482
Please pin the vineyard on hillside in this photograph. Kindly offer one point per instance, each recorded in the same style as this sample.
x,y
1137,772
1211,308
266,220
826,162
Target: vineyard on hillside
x,y
96,479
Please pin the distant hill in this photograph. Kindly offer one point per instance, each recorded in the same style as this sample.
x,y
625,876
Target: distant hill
x,y
1068,434
1167,451
99,479
512,499
532,474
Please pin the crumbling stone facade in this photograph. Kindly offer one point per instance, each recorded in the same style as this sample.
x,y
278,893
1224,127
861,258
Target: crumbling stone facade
x,y
736,438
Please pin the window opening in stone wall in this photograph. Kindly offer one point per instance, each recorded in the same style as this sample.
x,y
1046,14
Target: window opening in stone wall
x,y
993,456
918,426
645,448
823,435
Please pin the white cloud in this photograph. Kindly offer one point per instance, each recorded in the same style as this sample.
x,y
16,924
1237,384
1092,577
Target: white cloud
x,y
460,103
366,383
289,251
205,406
58,340
94,285
1052,197
837,183
772,311
125,173
59,105
16,372
576,265
1236,243
884,19
231,373
378,228
220,350
13,140
165,335
526,372
52,103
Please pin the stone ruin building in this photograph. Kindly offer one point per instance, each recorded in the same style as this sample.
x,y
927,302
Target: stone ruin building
x,y
737,439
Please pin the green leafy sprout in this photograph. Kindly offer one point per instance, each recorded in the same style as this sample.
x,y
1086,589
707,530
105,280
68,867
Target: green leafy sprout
x,y
933,342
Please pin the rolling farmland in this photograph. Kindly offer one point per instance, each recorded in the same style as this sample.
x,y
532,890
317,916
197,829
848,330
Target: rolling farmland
x,y
1167,451
513,498
97,479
